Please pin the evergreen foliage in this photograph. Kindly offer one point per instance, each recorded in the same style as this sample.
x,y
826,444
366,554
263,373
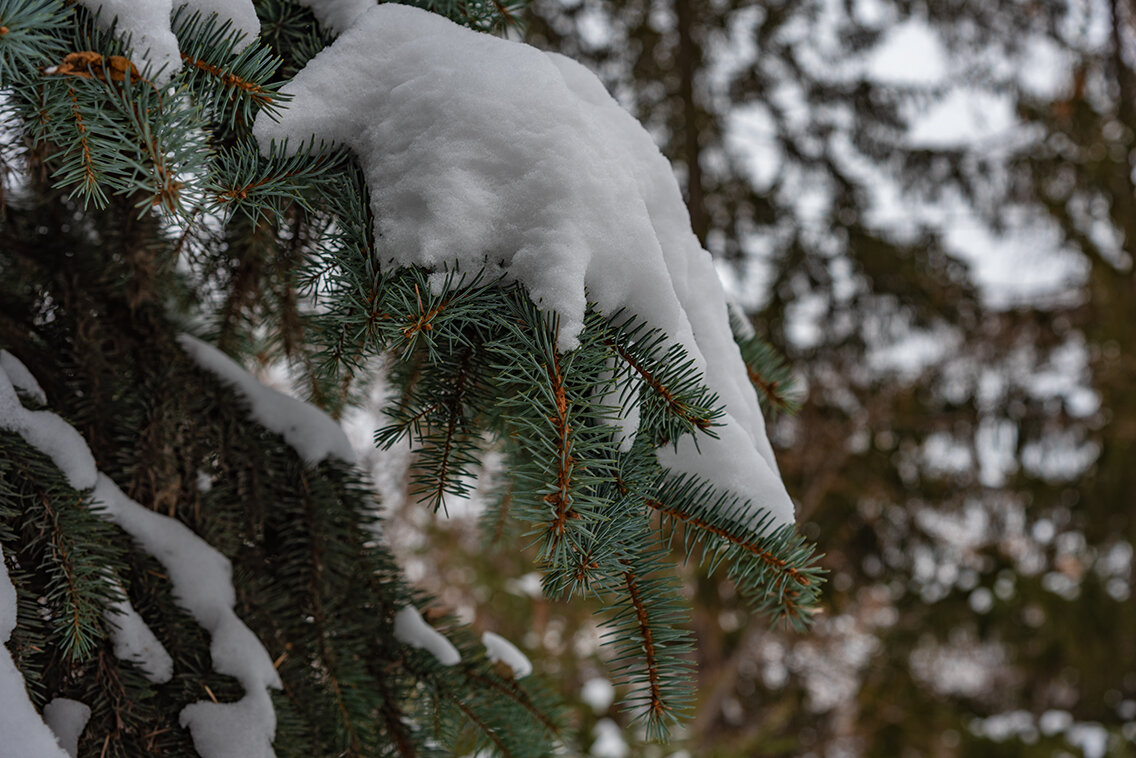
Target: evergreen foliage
x,y
132,213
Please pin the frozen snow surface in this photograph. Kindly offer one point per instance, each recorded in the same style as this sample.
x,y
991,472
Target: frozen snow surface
x,y
23,734
312,433
202,584
67,718
411,629
481,153
337,15
500,649
153,46
20,377
49,433
134,641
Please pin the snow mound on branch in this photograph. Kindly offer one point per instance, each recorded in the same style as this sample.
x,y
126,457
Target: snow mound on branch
x,y
20,377
481,153
67,718
49,433
500,649
202,584
411,629
134,641
147,25
24,732
312,433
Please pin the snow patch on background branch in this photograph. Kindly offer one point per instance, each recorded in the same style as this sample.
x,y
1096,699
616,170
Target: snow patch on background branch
x,y
21,378
500,649
67,718
202,584
48,433
411,629
24,733
134,641
486,154
313,434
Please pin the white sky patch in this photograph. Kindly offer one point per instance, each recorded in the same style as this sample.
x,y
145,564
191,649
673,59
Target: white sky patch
x,y
67,719
313,434
20,377
500,649
910,53
50,434
153,46
202,584
752,134
411,629
963,119
571,198
134,641
24,733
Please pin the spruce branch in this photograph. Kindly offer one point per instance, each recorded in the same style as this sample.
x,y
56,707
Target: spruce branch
x,y
774,568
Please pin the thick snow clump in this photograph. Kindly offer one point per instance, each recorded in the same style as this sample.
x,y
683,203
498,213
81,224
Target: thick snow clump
x,y
481,153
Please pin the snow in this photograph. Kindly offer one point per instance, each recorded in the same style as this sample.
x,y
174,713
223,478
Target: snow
x,y
598,693
134,641
337,15
202,584
482,153
500,649
24,732
49,433
21,378
146,23
411,629
609,740
67,718
313,434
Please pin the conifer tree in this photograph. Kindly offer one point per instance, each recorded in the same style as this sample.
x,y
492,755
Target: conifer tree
x,y
192,564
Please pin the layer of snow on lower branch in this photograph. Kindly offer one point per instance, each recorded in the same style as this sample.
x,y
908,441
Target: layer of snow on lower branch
x,y
202,584
481,153
153,46
20,377
411,629
49,433
312,433
67,719
134,641
22,730
500,649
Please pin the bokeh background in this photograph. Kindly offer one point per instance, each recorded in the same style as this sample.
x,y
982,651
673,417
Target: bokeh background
x,y
930,209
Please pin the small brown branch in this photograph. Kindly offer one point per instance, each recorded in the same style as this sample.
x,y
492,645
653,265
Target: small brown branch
x,y
469,714
511,690
259,93
678,408
748,545
650,654
561,499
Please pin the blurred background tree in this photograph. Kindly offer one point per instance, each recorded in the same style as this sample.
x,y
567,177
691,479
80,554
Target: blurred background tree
x,y
929,208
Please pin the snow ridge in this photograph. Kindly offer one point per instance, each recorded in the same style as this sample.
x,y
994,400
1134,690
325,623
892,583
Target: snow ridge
x,y
482,153
25,733
411,629
202,584
313,434
500,649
